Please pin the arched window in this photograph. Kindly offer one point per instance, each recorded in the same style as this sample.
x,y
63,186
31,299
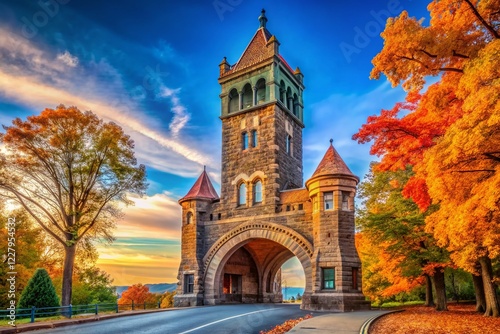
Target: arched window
x,y
257,192
295,105
282,92
261,91
244,140
247,96
289,98
189,218
234,99
242,194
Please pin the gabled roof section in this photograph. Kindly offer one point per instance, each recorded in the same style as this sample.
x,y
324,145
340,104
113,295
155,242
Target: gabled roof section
x,y
332,164
255,52
202,189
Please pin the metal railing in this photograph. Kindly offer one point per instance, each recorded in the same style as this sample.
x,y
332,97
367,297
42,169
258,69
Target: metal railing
x,y
72,310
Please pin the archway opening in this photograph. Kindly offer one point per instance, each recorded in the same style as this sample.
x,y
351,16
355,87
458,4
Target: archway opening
x,y
292,280
252,273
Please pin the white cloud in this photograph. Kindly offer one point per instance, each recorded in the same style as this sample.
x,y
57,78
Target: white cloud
x,y
68,59
181,117
30,77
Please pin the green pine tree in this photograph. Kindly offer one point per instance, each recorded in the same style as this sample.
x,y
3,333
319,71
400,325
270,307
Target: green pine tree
x,y
39,292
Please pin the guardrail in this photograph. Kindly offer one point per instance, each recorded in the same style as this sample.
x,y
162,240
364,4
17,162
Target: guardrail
x,y
72,310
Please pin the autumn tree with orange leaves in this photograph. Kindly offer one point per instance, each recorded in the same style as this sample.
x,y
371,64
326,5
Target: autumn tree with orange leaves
x,y
393,230
68,169
449,132
138,294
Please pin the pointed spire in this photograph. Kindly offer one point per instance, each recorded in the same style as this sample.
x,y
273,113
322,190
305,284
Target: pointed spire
x,y
332,164
202,189
263,18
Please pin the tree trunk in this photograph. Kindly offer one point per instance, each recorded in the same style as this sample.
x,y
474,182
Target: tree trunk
x,y
492,306
440,288
67,283
429,298
479,291
454,287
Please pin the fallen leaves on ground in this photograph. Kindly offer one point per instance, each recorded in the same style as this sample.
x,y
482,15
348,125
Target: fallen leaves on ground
x,y
286,326
460,319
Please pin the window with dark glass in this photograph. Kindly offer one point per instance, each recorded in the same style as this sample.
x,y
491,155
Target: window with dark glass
x,y
189,283
242,194
189,218
328,199
255,140
289,145
328,278
244,140
257,192
354,278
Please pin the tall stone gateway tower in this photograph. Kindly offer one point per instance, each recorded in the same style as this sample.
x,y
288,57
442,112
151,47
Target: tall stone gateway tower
x,y
233,246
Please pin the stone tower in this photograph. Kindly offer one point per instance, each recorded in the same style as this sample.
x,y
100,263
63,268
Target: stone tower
x,y
234,246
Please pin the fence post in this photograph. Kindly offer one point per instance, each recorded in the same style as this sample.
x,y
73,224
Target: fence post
x,y
70,310
132,305
96,309
116,307
159,304
32,314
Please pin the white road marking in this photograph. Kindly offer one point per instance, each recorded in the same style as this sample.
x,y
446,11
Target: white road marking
x,y
225,319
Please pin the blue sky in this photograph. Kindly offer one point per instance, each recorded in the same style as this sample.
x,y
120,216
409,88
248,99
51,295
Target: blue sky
x,y
152,67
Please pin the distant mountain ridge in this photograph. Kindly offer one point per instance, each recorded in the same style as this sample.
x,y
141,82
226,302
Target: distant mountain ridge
x,y
159,288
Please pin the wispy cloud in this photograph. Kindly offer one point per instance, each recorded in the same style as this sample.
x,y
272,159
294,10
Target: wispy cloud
x,y
68,59
147,245
27,76
339,117
181,117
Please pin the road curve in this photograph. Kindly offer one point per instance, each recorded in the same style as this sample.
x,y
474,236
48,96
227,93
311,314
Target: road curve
x,y
234,319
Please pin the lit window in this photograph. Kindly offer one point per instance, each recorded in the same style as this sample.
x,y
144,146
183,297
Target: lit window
x,y
244,140
242,194
328,198
189,283
289,145
328,278
189,218
255,140
345,201
257,192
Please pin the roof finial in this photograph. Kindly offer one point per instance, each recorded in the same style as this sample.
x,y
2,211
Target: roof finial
x,y
331,141
204,168
263,18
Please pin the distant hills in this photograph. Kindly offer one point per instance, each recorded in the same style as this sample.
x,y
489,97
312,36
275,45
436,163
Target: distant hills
x,y
159,288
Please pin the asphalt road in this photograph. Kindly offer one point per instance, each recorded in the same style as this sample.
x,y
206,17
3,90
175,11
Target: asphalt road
x,y
234,319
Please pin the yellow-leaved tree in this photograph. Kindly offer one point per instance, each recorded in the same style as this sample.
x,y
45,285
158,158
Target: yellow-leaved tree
x,y
449,133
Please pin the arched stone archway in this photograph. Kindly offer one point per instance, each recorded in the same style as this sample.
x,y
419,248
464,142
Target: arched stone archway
x,y
285,243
